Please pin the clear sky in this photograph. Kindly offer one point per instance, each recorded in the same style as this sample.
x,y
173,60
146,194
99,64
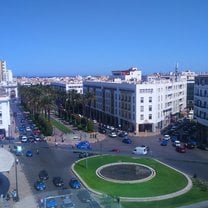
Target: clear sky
x,y
94,37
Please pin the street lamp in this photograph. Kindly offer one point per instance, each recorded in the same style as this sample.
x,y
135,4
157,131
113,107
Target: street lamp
x,y
17,192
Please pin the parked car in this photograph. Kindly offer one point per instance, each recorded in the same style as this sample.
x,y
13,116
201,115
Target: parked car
x,y
67,203
123,134
24,139
51,203
181,149
164,142
127,141
203,147
43,175
40,185
166,137
29,153
74,183
112,134
177,143
190,145
58,181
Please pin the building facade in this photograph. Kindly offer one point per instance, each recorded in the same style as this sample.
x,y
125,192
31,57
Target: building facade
x,y
135,105
201,106
76,86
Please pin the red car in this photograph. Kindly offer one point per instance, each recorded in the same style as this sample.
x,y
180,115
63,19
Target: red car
x,y
115,150
181,149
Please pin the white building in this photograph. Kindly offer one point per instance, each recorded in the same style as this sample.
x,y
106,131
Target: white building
x,y
4,113
77,86
135,105
201,106
8,89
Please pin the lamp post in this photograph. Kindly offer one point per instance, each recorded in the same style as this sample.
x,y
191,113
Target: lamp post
x,y
17,191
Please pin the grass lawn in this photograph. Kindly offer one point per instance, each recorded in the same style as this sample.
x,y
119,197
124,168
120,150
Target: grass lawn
x,y
166,180
193,196
60,126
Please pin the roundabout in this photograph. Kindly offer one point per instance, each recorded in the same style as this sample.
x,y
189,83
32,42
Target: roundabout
x,y
131,179
125,172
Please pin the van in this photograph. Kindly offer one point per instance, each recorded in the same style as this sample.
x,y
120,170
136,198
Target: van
x,y
140,150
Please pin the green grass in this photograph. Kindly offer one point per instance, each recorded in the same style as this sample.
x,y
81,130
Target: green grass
x,y
163,183
60,126
193,196
166,181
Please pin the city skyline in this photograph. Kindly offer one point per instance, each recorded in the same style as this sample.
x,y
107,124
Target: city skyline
x,y
68,38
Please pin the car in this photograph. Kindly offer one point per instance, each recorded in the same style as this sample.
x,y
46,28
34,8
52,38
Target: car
x,y
74,183
51,203
43,175
40,185
28,128
115,150
177,143
67,203
29,153
85,154
123,134
190,145
166,137
164,142
127,141
84,145
102,130
24,139
202,147
58,181
181,149
112,134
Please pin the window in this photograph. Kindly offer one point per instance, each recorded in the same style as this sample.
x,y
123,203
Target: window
x,y
142,108
150,99
141,117
150,108
142,99
150,116
0,114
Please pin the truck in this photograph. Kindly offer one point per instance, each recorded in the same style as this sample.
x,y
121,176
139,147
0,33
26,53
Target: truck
x,y
142,150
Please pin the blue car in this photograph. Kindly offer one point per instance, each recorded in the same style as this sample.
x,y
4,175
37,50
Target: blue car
x,y
164,143
85,145
51,203
29,153
127,141
74,183
40,185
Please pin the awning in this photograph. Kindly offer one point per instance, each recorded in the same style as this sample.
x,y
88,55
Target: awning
x,y
6,160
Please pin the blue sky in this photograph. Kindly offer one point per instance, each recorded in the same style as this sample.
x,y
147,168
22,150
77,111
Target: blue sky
x,y
94,37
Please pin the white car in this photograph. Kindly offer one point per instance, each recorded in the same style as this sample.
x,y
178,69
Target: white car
x,y
112,134
177,143
166,137
28,129
24,138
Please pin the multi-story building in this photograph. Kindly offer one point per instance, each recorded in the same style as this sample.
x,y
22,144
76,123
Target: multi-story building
x,y
4,113
190,88
8,89
201,106
136,105
77,86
